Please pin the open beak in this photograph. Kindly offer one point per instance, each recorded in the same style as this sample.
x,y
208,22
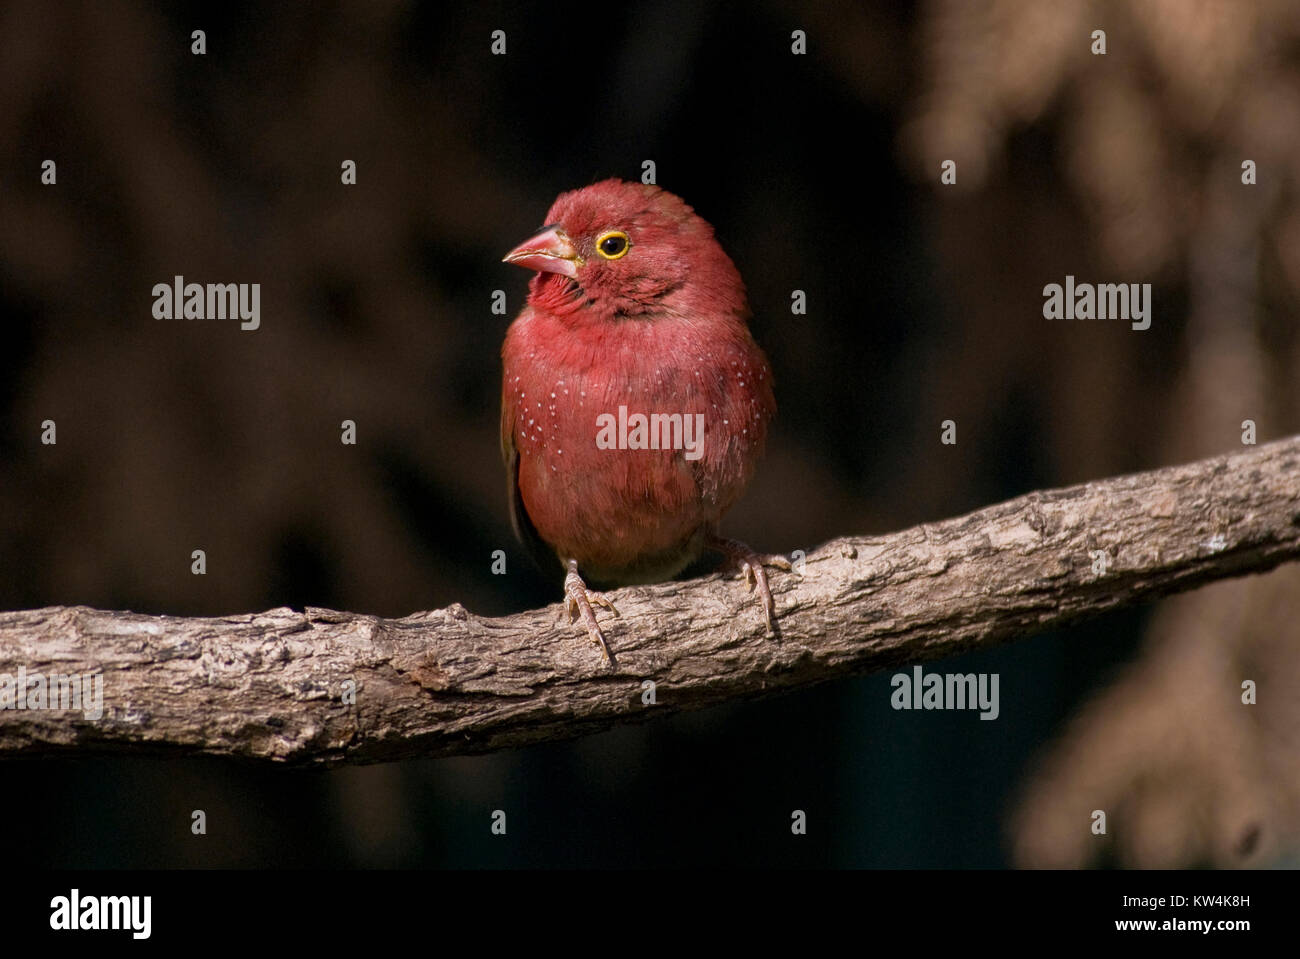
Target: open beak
x,y
549,251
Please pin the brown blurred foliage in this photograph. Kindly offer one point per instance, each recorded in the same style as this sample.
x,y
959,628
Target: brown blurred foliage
x,y
1153,136
164,426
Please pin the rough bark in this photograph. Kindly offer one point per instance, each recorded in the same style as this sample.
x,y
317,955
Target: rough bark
x,y
272,685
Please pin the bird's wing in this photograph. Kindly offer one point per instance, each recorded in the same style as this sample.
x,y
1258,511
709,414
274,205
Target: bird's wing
x,y
525,532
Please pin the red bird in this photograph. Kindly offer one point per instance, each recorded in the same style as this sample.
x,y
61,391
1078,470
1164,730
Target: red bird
x,y
635,402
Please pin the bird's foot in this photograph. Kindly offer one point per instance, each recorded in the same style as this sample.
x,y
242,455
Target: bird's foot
x,y
753,565
578,601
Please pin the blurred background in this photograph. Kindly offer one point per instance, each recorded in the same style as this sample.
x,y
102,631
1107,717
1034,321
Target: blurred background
x,y
819,172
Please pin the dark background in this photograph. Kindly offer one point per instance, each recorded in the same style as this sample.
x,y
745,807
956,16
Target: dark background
x,y
818,172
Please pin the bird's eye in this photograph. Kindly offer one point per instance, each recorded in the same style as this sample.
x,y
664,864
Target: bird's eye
x,y
612,245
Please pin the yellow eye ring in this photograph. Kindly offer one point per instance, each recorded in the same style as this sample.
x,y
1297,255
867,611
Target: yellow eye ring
x,y
613,244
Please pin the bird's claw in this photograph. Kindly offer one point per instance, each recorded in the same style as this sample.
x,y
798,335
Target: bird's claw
x,y
754,566
578,601
600,599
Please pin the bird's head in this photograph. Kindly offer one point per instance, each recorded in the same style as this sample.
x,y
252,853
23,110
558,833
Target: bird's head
x,y
617,250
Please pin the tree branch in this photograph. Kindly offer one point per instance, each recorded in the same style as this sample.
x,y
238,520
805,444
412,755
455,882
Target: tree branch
x,y
272,685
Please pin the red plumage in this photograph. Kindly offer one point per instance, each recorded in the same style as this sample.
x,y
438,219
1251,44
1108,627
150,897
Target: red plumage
x,y
660,327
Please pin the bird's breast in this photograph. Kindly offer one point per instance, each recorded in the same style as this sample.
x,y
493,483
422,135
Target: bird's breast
x,y
632,435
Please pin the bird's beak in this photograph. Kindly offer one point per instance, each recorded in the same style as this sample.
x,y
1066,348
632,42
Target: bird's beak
x,y
549,251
